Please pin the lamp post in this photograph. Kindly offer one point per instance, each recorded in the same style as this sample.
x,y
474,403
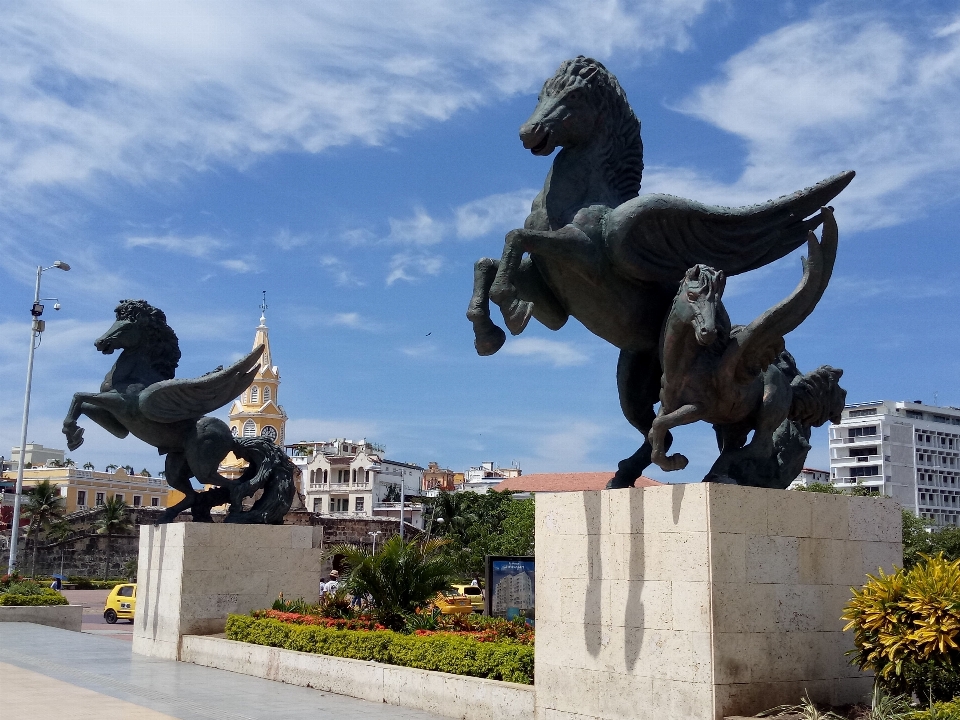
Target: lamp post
x,y
36,327
374,536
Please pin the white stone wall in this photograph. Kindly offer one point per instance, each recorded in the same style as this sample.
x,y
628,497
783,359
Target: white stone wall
x,y
700,601
192,575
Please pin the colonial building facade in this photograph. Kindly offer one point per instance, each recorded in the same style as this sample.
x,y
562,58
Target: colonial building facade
x,y
352,478
85,489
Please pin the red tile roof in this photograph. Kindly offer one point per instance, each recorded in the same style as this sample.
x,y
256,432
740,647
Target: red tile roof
x,y
565,482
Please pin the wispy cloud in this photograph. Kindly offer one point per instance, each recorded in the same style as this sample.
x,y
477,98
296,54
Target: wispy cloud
x,y
556,352
353,320
195,246
837,92
411,266
286,240
240,266
502,213
342,274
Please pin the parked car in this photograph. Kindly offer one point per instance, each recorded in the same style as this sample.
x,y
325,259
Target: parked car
x,y
453,604
474,593
121,603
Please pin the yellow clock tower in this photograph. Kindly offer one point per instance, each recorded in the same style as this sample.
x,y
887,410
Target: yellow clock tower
x,y
257,411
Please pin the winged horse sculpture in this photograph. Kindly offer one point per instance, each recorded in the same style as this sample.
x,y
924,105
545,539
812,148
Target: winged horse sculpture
x,y
140,396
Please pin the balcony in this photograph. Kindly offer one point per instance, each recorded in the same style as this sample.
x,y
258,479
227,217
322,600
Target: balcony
x,y
863,440
847,461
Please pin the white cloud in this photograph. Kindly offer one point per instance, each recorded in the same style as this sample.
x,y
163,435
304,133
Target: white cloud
x,y
352,320
560,354
501,213
146,90
421,229
196,246
832,93
566,450
343,275
410,266
240,266
286,240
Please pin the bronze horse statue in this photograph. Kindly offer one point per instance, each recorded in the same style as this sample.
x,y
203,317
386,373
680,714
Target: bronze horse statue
x,y
139,395
739,378
594,249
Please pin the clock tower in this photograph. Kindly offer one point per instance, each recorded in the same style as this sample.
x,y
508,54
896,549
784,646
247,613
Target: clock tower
x,y
257,411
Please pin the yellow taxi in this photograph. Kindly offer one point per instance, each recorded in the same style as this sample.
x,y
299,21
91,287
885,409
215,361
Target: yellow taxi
x,y
474,593
121,603
453,604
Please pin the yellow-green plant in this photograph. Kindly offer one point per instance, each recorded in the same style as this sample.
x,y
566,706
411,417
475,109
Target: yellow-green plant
x,y
907,627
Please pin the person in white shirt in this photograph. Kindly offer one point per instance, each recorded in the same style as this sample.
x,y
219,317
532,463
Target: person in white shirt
x,y
331,585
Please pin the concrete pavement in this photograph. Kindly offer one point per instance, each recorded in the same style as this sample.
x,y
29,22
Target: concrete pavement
x,y
47,672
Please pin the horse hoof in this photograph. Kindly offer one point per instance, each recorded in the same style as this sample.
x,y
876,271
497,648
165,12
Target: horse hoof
x,y
616,483
517,316
489,340
74,437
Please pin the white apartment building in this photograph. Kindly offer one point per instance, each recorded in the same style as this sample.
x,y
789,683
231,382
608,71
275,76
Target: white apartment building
x,y
352,478
487,476
809,476
907,450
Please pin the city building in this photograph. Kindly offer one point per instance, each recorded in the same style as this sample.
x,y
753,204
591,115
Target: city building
x,y
437,479
257,412
85,489
36,456
808,477
907,450
487,476
353,478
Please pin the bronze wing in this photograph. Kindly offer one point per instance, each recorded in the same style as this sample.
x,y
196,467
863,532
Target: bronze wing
x,y
658,237
760,343
171,401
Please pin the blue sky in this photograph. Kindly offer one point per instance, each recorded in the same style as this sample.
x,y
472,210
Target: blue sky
x,y
354,159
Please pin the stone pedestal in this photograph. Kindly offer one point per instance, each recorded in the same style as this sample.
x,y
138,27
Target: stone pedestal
x,y
192,575
700,601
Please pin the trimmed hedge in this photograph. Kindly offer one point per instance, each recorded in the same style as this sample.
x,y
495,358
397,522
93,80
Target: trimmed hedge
x,y
46,596
443,653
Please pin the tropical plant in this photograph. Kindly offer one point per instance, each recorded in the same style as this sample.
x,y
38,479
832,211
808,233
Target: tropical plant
x,y
129,469
44,507
820,487
144,473
907,628
401,576
111,468
885,706
88,466
114,520
69,463
806,710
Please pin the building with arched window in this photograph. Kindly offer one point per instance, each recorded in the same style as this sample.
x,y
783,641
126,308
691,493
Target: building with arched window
x,y
256,413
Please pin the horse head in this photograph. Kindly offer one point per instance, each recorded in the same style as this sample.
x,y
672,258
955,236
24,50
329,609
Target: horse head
x,y
583,102
141,326
698,302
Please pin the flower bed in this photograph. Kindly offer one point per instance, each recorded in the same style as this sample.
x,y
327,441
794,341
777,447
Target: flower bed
x,y
454,652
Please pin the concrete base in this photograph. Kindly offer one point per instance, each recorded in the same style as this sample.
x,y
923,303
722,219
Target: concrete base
x,y
192,575
458,696
65,617
700,601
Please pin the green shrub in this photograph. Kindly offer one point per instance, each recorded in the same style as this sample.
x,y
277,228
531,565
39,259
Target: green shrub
x,y
949,710
907,628
40,596
441,652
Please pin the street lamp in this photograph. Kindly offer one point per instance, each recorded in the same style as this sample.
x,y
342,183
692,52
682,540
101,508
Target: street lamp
x,y
36,327
374,536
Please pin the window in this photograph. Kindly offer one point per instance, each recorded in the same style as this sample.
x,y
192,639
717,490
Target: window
x,y
233,429
324,477
125,591
354,478
867,471
82,498
266,395
316,505
914,414
137,500
118,497
358,504
254,395
154,502
863,452
861,431
249,429
862,413
100,498
339,504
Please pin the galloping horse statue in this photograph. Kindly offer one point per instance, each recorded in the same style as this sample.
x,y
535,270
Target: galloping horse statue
x,y
593,248
741,379
140,395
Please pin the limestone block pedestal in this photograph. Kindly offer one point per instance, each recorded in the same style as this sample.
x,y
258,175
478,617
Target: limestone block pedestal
x,y
192,575
700,601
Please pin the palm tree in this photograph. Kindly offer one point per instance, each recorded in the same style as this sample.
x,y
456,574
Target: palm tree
x,y
88,466
44,507
69,463
129,469
114,520
111,468
401,576
144,473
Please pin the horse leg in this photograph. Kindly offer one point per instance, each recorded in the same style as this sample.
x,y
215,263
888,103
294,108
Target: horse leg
x,y
487,337
531,286
102,408
664,422
638,384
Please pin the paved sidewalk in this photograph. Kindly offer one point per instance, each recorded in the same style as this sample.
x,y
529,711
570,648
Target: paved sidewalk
x,y
78,676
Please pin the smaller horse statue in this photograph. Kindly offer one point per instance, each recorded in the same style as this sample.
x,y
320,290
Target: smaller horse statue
x,y
741,379
140,395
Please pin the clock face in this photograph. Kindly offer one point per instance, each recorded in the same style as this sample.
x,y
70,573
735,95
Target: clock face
x,y
269,433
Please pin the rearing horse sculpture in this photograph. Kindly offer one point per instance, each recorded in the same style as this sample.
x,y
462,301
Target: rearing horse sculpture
x,y
140,396
609,257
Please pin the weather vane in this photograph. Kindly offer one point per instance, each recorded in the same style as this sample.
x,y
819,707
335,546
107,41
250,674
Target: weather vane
x,y
263,304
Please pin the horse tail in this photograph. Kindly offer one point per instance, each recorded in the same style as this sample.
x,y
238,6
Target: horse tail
x,y
817,396
271,471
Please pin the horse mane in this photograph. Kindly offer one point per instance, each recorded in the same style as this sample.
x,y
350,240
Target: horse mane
x,y
707,279
623,154
164,346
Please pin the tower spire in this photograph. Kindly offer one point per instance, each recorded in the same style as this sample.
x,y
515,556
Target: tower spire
x,y
263,310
